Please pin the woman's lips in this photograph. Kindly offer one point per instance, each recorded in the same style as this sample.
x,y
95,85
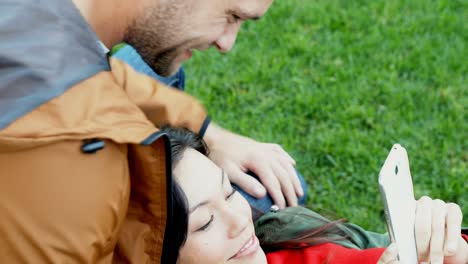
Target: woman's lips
x,y
248,249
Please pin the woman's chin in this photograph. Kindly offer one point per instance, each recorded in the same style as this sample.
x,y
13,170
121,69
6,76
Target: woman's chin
x,y
262,257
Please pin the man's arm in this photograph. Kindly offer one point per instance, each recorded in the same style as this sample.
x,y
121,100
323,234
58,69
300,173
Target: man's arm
x,y
234,153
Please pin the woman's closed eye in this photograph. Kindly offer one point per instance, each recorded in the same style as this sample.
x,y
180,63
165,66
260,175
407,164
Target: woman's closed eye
x,y
207,225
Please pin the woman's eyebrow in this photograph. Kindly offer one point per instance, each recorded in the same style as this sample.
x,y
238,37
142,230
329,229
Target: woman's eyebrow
x,y
223,176
198,206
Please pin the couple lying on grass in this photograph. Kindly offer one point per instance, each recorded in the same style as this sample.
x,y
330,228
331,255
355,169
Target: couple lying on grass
x,y
214,224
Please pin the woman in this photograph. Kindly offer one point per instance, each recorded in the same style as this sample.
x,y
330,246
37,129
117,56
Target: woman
x,y
215,223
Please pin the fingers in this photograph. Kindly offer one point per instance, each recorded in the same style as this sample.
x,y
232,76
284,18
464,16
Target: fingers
x,y
390,255
437,230
246,182
277,174
453,222
287,163
439,212
423,227
286,184
290,173
268,178
273,166
299,191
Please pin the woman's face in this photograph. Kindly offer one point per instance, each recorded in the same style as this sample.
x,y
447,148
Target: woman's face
x,y
220,221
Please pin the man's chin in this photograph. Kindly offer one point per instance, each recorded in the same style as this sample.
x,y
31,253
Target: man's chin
x,y
168,71
167,66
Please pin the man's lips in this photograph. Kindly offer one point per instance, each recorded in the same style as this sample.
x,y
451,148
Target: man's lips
x,y
188,54
248,249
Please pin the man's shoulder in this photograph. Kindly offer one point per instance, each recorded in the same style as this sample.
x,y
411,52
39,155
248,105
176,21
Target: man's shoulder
x,y
48,48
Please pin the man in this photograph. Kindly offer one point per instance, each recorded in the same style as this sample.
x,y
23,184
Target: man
x,y
165,37
84,175
128,54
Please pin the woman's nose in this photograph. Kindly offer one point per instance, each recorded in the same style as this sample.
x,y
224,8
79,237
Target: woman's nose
x,y
238,222
227,40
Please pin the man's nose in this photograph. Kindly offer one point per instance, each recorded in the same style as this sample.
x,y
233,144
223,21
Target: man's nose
x,y
227,40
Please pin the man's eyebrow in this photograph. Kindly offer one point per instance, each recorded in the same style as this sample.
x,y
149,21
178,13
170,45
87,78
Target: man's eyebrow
x,y
244,15
223,176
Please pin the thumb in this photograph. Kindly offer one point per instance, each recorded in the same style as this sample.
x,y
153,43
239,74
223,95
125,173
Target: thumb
x,y
390,255
246,182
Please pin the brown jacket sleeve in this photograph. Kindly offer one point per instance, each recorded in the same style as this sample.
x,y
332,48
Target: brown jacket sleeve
x,y
162,105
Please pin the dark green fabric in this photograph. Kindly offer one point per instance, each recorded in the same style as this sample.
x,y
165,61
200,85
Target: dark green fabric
x,y
284,225
363,238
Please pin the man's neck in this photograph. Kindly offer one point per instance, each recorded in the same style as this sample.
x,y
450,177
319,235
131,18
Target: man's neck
x,y
108,18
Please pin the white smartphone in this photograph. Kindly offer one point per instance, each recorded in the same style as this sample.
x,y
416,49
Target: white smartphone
x,y
396,187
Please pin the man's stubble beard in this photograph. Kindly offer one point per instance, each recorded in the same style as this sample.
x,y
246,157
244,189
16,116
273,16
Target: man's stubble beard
x,y
151,35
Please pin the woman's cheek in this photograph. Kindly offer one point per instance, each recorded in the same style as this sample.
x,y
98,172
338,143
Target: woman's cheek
x,y
214,253
208,247
242,205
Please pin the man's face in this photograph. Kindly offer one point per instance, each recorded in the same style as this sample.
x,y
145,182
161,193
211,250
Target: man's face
x,y
169,30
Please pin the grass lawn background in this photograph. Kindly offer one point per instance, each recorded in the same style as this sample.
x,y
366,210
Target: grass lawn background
x,y
336,83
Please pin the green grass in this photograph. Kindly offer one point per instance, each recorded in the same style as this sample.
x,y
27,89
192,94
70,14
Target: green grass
x,y
338,82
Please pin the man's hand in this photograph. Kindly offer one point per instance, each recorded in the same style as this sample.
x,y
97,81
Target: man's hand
x,y
274,167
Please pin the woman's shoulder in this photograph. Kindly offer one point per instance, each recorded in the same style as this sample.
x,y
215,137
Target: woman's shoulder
x,y
287,224
325,253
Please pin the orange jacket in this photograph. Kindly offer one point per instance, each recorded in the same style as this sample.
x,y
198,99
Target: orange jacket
x,y
61,205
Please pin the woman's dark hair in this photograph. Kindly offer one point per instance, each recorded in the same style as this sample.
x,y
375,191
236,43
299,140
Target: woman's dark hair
x,y
181,139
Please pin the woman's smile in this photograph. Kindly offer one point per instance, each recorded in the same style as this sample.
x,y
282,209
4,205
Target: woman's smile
x,y
248,249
